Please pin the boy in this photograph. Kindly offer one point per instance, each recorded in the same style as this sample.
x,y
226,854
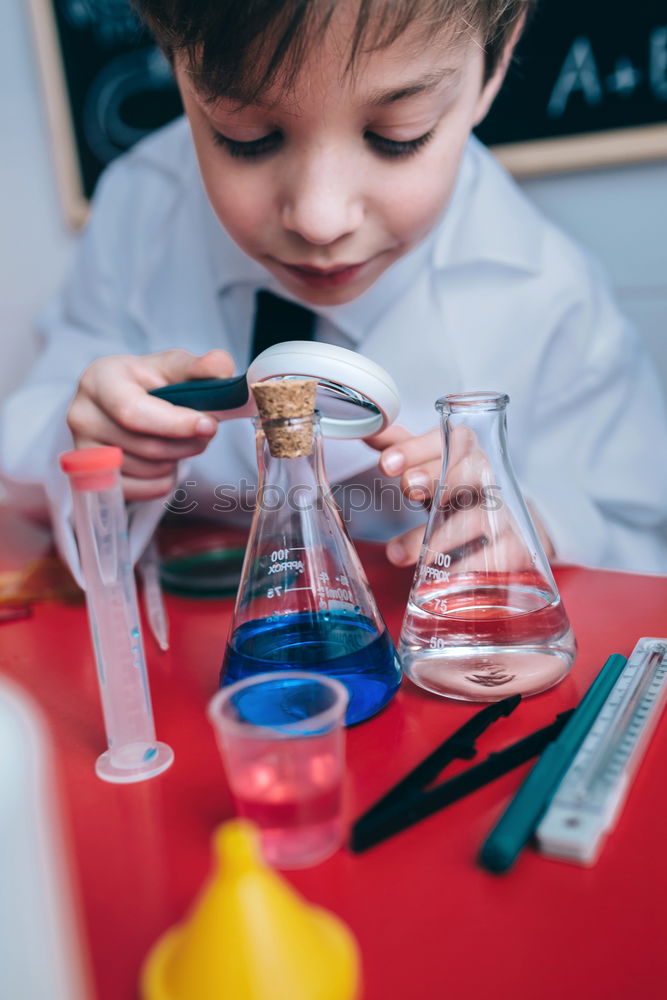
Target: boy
x,y
329,159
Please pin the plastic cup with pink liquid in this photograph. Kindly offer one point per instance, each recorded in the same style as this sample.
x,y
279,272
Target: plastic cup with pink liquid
x,y
282,743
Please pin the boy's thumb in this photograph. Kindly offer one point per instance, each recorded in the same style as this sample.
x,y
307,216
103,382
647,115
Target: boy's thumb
x,y
182,366
394,434
213,364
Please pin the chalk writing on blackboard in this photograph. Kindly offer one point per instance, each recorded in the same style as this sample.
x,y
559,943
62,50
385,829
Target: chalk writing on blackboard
x,y
589,87
580,74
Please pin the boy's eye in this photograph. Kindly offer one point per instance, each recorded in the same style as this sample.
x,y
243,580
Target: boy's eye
x,y
394,148
390,148
248,150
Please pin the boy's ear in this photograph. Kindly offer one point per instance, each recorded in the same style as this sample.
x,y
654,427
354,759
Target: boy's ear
x,y
494,83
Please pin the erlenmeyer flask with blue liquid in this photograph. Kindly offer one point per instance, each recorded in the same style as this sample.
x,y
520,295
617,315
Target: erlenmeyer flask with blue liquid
x,y
304,602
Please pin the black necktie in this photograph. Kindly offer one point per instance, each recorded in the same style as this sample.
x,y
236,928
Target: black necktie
x,y
277,320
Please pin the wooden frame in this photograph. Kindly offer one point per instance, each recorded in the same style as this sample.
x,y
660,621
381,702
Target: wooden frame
x,y
61,128
531,158
584,151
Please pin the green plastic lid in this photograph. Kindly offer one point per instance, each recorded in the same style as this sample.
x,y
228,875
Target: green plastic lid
x,y
209,573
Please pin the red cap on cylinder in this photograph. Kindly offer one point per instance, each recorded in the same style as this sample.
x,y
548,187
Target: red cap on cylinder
x,y
92,468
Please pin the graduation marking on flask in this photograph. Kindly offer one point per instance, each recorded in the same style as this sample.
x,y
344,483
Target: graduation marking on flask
x,y
436,571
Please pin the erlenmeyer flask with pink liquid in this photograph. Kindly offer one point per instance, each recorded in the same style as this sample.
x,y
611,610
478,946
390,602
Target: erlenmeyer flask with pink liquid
x,y
484,619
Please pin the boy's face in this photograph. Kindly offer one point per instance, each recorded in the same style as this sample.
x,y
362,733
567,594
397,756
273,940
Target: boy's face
x,y
328,186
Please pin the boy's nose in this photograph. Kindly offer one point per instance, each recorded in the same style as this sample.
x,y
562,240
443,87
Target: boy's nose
x,y
322,205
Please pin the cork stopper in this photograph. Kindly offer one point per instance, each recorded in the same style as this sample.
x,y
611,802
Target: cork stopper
x,y
278,403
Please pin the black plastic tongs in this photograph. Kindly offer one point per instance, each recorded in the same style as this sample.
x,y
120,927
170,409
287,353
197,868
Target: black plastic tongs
x,y
409,801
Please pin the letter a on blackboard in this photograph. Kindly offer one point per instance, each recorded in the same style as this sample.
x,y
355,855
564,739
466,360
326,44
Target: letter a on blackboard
x,y
579,73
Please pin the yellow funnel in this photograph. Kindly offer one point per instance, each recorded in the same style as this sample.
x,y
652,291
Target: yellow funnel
x,y
250,936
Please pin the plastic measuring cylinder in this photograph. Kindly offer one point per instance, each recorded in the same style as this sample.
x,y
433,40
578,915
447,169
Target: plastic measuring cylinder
x,y
100,521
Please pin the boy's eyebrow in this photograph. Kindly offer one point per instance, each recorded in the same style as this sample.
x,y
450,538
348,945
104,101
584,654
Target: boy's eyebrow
x,y
377,99
426,83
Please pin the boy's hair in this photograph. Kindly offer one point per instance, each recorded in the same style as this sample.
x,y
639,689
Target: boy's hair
x,y
236,48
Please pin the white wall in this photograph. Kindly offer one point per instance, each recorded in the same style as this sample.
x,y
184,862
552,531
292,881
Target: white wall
x,y
621,214
34,241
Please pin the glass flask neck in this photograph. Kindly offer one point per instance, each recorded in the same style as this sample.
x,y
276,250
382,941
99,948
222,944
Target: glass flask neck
x,y
290,449
479,485
483,413
473,402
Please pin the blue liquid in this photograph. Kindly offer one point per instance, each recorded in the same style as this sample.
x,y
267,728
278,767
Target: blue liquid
x,y
346,647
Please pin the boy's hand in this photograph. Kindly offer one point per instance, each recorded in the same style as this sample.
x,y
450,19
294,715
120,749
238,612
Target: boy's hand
x,y
418,461
112,407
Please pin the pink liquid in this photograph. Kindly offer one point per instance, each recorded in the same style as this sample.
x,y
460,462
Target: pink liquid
x,y
485,643
297,808
491,622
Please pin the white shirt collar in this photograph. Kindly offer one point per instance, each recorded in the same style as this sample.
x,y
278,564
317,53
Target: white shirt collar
x,y
488,219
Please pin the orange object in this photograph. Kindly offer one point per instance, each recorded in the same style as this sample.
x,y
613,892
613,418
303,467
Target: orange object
x,y
92,468
44,579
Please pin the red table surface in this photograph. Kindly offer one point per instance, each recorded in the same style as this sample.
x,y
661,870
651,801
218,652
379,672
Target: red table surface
x,y
431,924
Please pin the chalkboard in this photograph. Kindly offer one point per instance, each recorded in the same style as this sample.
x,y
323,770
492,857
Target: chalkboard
x,y
106,86
588,87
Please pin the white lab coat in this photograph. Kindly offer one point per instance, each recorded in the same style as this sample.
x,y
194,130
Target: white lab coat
x,y
496,298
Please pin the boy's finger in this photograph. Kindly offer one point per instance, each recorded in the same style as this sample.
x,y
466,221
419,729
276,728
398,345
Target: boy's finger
x,y
142,468
133,409
103,432
393,434
507,554
420,482
169,367
404,549
462,526
411,451
133,466
471,469
147,489
91,427
474,552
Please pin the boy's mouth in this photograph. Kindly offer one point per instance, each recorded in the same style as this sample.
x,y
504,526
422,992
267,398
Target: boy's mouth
x,y
324,277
